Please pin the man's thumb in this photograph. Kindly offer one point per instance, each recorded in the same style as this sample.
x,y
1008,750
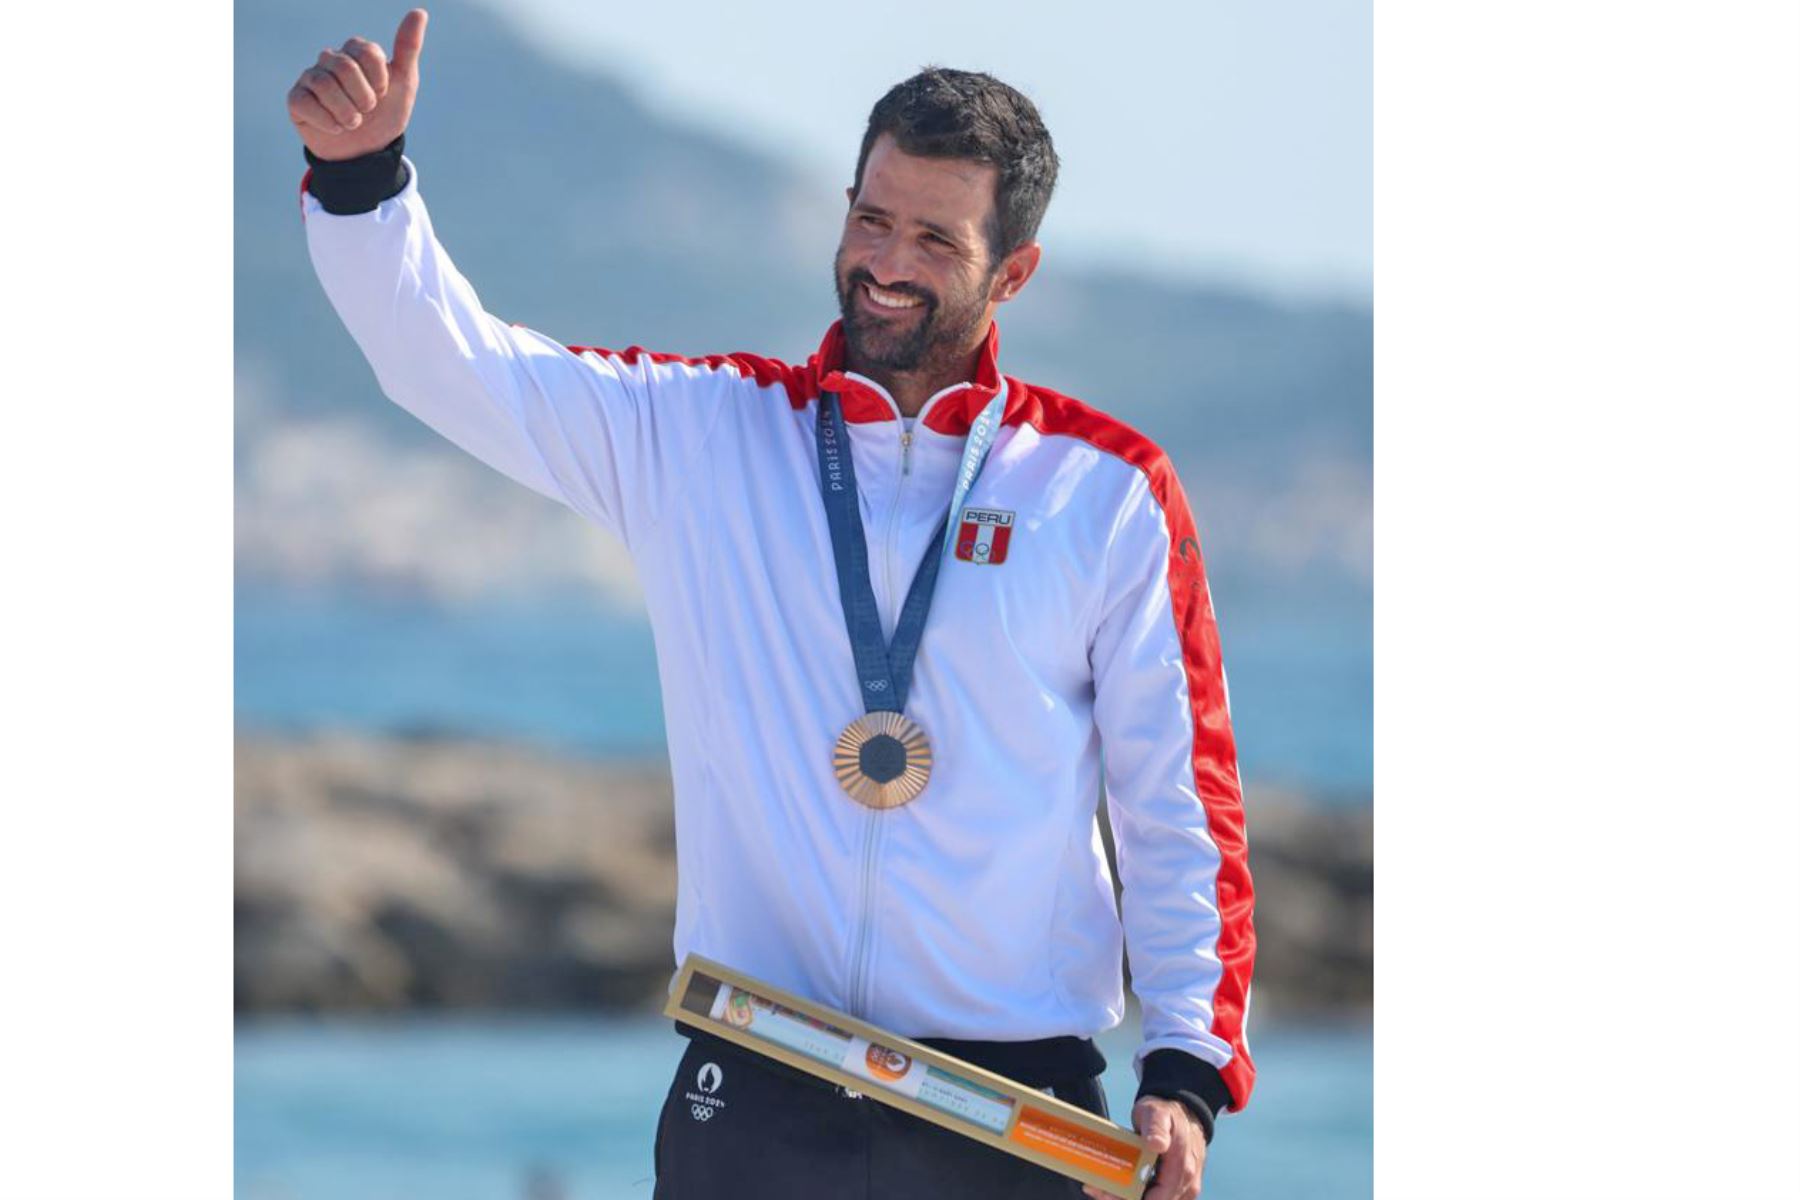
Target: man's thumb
x,y
409,41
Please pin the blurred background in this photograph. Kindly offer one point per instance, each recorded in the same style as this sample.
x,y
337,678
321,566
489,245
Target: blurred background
x,y
455,873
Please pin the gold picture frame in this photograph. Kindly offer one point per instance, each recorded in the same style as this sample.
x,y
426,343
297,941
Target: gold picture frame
x,y
916,1079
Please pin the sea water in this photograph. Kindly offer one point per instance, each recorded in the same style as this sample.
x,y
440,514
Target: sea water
x,y
579,679
565,1109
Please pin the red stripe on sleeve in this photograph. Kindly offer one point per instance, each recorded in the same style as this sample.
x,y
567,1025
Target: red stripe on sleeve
x,y
767,372
1215,750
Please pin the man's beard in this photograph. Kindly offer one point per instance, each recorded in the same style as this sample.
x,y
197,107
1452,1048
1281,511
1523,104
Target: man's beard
x,y
936,340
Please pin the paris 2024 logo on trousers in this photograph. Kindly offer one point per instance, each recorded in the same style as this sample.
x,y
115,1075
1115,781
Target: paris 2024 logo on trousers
x,y
982,535
704,1103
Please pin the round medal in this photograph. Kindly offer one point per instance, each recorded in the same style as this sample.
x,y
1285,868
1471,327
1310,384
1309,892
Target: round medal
x,y
882,759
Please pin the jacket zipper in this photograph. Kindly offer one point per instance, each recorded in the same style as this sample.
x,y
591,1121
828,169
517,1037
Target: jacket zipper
x,y
859,961
872,828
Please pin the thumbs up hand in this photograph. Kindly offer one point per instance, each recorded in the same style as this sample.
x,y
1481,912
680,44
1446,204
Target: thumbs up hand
x,y
355,99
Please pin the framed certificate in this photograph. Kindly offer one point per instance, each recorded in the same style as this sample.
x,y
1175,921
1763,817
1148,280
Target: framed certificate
x,y
959,1096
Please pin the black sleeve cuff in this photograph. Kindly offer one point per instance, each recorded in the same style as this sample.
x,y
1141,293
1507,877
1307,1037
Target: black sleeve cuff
x,y
1175,1075
358,185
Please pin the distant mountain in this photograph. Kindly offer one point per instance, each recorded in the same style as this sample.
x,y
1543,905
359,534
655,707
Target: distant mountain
x,y
576,211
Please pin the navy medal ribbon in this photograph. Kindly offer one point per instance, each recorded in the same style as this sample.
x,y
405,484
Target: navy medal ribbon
x,y
883,758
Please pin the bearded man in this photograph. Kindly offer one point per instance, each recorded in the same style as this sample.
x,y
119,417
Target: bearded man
x,y
890,815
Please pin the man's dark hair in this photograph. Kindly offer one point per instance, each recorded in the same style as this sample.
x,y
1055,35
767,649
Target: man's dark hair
x,y
943,113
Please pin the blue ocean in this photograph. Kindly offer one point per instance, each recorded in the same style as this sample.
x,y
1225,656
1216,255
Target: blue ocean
x,y
580,679
565,1109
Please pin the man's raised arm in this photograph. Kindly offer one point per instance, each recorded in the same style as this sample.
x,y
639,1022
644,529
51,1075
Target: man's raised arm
x,y
604,434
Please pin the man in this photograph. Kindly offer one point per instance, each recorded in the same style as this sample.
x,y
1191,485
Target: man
x,y
890,815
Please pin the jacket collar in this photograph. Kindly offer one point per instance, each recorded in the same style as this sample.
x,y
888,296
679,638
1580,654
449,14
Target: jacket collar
x,y
951,411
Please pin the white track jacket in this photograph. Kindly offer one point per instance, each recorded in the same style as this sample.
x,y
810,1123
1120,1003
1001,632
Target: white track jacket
x,y
1078,643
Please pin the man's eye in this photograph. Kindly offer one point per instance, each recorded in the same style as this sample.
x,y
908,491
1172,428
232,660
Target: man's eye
x,y
942,243
869,222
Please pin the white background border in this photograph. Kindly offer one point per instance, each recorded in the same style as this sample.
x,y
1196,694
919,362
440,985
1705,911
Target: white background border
x,y
1587,643
115,492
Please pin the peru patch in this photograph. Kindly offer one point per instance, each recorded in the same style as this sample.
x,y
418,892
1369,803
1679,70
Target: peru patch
x,y
982,535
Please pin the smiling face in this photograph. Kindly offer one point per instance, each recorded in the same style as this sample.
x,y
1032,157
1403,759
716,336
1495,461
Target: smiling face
x,y
916,276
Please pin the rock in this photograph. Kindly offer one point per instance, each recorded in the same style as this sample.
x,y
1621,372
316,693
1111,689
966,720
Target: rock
x,y
392,873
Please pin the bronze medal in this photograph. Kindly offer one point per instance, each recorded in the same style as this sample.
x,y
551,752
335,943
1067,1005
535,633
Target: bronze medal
x,y
882,759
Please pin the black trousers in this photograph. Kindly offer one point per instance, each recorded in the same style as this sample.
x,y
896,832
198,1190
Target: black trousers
x,y
743,1126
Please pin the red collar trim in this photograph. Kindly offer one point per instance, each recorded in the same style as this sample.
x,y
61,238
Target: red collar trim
x,y
952,413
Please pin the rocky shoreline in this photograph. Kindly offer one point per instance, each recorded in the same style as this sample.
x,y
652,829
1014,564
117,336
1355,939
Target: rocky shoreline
x,y
385,874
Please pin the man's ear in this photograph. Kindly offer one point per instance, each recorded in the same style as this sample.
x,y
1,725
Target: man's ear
x,y
1015,272
850,194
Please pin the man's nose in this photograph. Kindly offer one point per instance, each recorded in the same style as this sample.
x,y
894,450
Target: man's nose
x,y
891,262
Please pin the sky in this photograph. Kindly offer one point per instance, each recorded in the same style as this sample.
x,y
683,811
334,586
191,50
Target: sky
x,y
1199,141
